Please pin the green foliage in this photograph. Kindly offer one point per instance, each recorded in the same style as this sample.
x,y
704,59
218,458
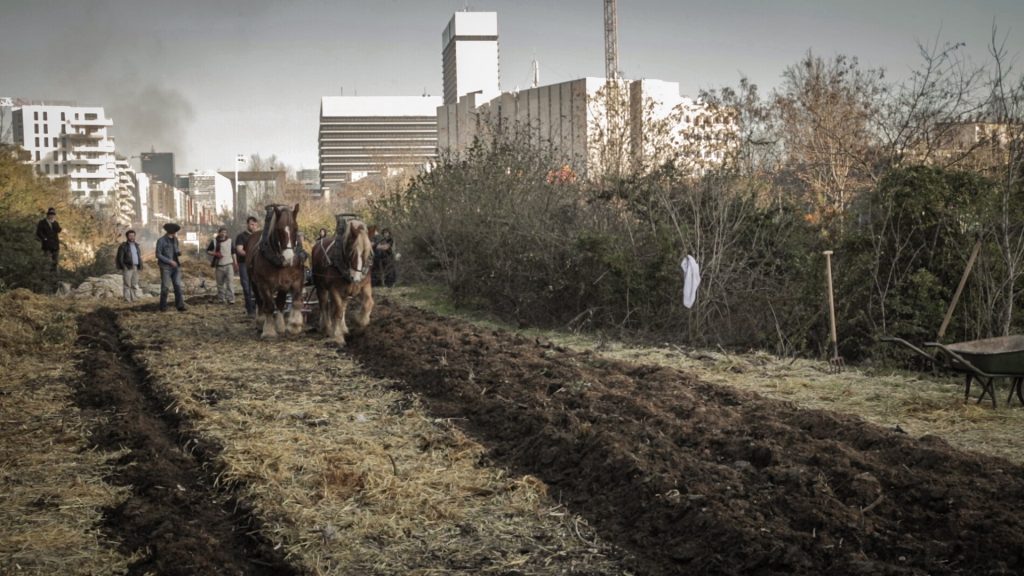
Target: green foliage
x,y
24,198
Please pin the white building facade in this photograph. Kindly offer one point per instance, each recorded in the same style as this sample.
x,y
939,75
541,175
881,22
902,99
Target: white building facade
x,y
364,135
469,56
73,142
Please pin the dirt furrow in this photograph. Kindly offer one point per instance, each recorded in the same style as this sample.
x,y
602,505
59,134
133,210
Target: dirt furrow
x,y
697,478
176,519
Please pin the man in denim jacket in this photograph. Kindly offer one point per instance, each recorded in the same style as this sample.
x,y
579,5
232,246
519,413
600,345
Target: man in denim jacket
x,y
167,254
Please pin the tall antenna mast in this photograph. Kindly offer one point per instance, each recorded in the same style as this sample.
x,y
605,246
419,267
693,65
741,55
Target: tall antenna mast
x,y
611,40
536,73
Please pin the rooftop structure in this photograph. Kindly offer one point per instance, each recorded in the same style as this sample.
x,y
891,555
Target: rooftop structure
x,y
469,56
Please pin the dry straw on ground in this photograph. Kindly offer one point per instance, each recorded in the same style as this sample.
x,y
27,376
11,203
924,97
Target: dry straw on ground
x,y
51,485
350,476
917,403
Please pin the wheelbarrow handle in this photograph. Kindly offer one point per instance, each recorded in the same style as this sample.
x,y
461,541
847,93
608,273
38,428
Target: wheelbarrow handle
x,y
965,363
930,357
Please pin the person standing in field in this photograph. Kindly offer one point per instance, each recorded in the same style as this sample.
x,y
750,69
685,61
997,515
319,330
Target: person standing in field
x,y
168,256
129,262
222,253
48,233
251,226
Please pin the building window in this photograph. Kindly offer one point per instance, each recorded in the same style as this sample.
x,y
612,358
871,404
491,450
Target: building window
x,y
44,115
35,115
62,117
36,126
46,127
46,142
37,155
47,168
56,155
76,115
65,168
65,155
37,141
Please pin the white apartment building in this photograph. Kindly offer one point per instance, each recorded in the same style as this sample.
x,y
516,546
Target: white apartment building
x,y
213,191
71,141
469,56
363,135
124,197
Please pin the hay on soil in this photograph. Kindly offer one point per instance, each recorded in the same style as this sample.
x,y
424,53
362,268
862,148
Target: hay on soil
x,y
346,473
51,485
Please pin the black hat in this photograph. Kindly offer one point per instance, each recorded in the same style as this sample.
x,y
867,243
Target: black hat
x,y
171,227
50,212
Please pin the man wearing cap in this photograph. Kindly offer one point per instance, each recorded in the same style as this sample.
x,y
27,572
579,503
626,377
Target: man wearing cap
x,y
129,262
48,231
167,254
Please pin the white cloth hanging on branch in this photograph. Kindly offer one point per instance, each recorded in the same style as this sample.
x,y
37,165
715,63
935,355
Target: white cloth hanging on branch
x,y
691,280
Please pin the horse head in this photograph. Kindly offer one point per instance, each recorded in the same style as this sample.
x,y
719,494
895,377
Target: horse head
x,y
358,250
283,232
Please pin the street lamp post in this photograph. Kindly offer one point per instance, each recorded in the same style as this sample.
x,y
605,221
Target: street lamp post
x,y
239,158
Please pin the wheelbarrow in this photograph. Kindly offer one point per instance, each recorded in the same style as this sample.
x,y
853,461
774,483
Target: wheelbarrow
x,y
985,360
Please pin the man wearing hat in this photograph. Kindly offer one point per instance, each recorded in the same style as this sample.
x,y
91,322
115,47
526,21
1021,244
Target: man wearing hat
x,y
129,262
47,231
167,254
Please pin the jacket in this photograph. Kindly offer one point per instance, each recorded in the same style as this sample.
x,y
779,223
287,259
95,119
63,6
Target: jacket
x,y
124,256
47,234
167,251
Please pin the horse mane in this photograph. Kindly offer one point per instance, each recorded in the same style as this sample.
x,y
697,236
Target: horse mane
x,y
359,245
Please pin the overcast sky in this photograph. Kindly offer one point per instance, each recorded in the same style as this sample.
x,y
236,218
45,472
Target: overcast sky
x,y
207,79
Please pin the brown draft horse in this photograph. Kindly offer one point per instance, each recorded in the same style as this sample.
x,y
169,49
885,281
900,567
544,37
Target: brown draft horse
x,y
276,270
340,275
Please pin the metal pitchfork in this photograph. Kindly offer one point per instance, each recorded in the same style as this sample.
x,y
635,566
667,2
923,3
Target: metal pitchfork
x,y
835,364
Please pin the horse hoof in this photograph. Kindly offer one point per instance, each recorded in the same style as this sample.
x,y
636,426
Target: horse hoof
x,y
268,336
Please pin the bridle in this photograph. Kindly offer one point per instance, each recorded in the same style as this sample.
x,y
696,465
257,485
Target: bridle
x,y
273,250
354,271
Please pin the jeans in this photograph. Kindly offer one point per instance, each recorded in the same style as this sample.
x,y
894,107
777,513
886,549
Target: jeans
x,y
243,276
171,277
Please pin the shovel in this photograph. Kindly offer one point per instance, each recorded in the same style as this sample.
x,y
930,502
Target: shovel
x,y
836,362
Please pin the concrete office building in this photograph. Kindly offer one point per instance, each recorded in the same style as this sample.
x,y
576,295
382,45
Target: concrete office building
x,y
364,135
213,195
469,56
566,118
70,141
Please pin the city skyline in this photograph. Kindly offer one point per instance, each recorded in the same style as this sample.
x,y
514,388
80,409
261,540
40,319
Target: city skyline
x,y
208,81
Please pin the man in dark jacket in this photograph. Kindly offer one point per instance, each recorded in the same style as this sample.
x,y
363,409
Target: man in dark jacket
x,y
48,231
251,226
129,262
167,257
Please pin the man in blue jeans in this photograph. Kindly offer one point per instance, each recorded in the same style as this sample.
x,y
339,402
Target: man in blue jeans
x,y
167,256
251,226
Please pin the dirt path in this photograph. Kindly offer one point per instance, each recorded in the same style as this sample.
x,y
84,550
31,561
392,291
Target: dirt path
x,y
702,479
175,518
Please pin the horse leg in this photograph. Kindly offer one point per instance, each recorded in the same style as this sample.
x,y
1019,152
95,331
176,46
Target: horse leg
x,y
295,321
337,322
267,311
277,300
324,305
366,298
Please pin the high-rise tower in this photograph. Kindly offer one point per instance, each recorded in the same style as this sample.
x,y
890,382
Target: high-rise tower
x,y
470,56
